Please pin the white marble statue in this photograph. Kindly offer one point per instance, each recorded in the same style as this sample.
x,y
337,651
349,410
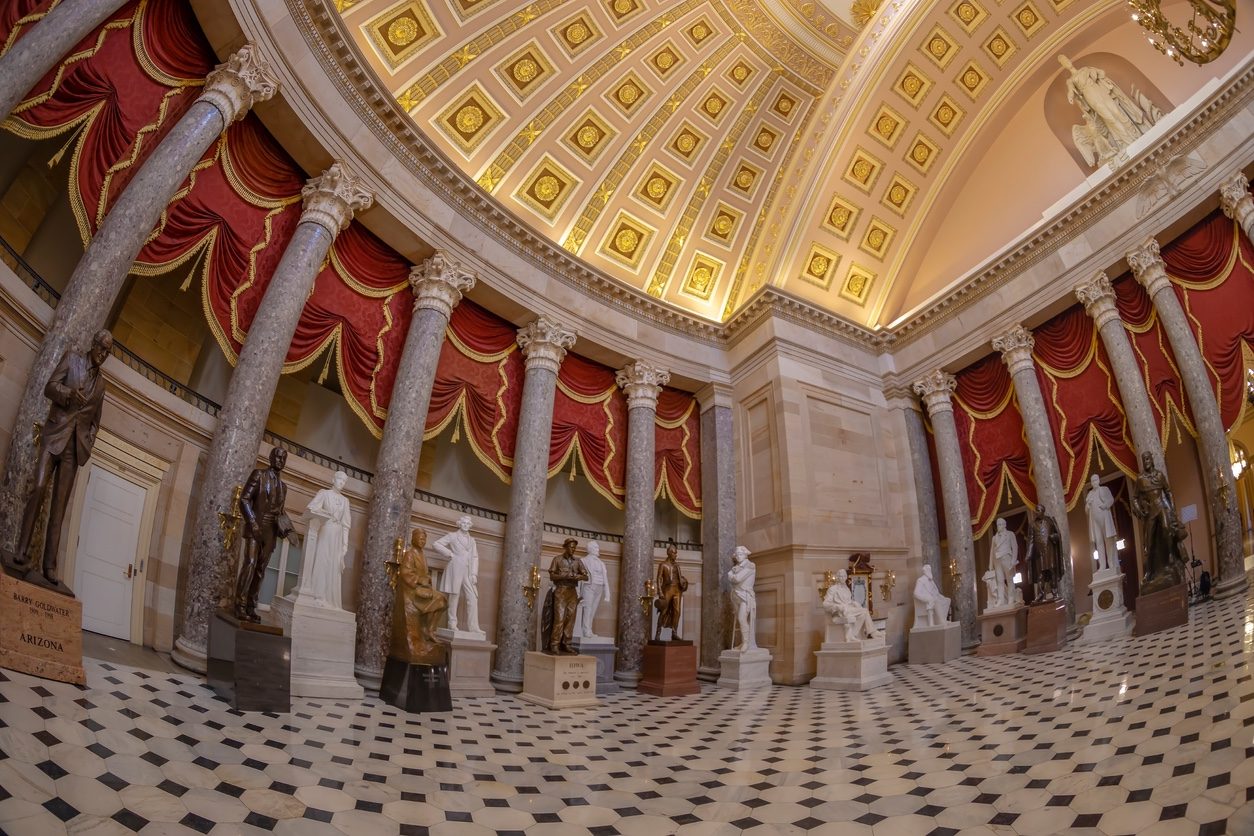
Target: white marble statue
x,y
742,575
994,590
326,545
592,591
1005,558
1113,119
839,604
460,579
931,609
1102,534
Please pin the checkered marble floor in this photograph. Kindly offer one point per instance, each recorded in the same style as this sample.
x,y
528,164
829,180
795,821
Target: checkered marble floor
x,y
1138,736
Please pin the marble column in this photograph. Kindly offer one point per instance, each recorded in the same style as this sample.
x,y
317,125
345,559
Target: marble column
x,y
93,288
1212,440
718,527
438,285
1015,347
45,43
1098,297
330,201
924,487
1235,200
935,390
544,343
643,383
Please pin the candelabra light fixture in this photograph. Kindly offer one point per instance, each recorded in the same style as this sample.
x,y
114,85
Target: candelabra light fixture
x,y
532,588
393,566
1201,40
646,600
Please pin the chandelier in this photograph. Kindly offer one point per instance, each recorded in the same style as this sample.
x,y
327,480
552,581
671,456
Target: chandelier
x,y
1203,38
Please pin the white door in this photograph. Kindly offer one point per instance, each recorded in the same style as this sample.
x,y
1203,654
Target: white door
x,y
108,542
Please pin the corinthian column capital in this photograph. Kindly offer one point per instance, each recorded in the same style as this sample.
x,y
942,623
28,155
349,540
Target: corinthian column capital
x,y
1015,347
935,390
642,382
235,86
1234,195
439,283
1098,297
332,199
1147,266
544,343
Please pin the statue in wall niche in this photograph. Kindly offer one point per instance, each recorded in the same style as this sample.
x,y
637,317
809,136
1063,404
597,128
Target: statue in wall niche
x,y
1045,561
594,590
931,608
1098,505
326,544
265,523
417,609
557,620
1113,120
1004,560
76,389
839,604
742,575
1163,532
460,579
671,586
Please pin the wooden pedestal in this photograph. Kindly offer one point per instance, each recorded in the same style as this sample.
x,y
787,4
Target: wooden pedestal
x,y
248,665
1162,610
669,669
41,631
419,689
1047,627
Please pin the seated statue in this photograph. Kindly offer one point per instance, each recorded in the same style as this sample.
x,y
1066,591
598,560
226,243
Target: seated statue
x,y
417,609
931,609
839,604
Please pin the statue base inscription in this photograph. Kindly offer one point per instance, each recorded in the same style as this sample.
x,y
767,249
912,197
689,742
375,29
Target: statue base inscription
x,y
1003,631
1111,619
603,650
744,670
1047,627
41,631
248,665
1162,610
559,681
470,664
323,642
418,689
669,669
935,645
852,666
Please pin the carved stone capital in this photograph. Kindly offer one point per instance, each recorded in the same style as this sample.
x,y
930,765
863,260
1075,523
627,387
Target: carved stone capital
x,y
439,284
234,87
1098,297
715,394
333,198
935,390
1015,347
1234,197
642,382
544,343
1147,266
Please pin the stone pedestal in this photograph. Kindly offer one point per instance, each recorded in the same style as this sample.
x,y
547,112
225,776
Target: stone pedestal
x,y
418,689
851,666
744,670
1162,610
1003,631
669,669
559,681
1047,627
470,664
249,665
602,649
1111,618
935,645
322,649
41,631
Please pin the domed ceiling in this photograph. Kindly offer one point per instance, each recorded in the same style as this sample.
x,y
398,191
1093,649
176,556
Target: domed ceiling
x,y
699,149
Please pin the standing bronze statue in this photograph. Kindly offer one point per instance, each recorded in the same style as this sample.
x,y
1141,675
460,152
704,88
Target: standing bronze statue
x,y
1163,532
76,390
671,586
557,621
1044,555
265,523
417,608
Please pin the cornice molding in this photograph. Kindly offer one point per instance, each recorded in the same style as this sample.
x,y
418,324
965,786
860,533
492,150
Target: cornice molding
x,y
773,301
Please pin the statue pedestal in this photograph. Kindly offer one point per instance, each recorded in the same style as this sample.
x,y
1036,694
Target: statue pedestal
x,y
559,681
669,669
935,645
249,665
1162,610
418,689
470,664
744,670
41,631
851,666
1111,618
1047,627
602,649
322,649
1003,631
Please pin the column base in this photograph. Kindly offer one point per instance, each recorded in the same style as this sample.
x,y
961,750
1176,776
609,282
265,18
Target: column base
x,y
505,683
1231,587
187,655
627,679
369,679
705,674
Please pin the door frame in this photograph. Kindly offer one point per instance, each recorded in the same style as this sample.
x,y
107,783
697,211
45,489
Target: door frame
x,y
125,461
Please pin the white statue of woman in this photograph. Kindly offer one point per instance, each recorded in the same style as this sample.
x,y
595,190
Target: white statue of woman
x,y
326,545
1005,558
1102,534
742,575
592,591
931,609
839,604
1112,118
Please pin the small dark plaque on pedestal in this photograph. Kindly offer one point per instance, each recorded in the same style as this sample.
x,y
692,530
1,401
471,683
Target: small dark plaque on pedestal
x,y
416,688
1161,610
250,668
669,669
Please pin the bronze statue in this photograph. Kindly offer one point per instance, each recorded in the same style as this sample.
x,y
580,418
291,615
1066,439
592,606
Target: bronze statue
x,y
76,390
1164,533
417,608
265,523
557,621
1044,555
671,586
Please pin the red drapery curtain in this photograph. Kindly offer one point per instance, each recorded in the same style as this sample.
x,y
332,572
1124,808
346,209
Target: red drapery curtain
x,y
1153,353
677,454
589,426
16,18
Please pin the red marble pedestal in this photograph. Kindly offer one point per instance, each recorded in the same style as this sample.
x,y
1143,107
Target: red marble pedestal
x,y
669,669
1047,627
1162,610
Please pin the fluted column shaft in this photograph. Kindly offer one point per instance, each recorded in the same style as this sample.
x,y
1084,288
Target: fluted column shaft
x,y
1235,199
48,41
1148,267
331,200
718,528
438,285
545,344
935,389
924,488
1016,350
98,278
643,383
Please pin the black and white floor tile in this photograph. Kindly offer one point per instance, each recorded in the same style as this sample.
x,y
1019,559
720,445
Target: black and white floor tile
x,y
1149,736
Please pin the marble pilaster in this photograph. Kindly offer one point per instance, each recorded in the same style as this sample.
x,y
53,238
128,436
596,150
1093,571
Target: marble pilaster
x,y
544,343
935,390
642,382
330,201
438,285
93,287
1015,347
1148,267
718,528
1236,202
